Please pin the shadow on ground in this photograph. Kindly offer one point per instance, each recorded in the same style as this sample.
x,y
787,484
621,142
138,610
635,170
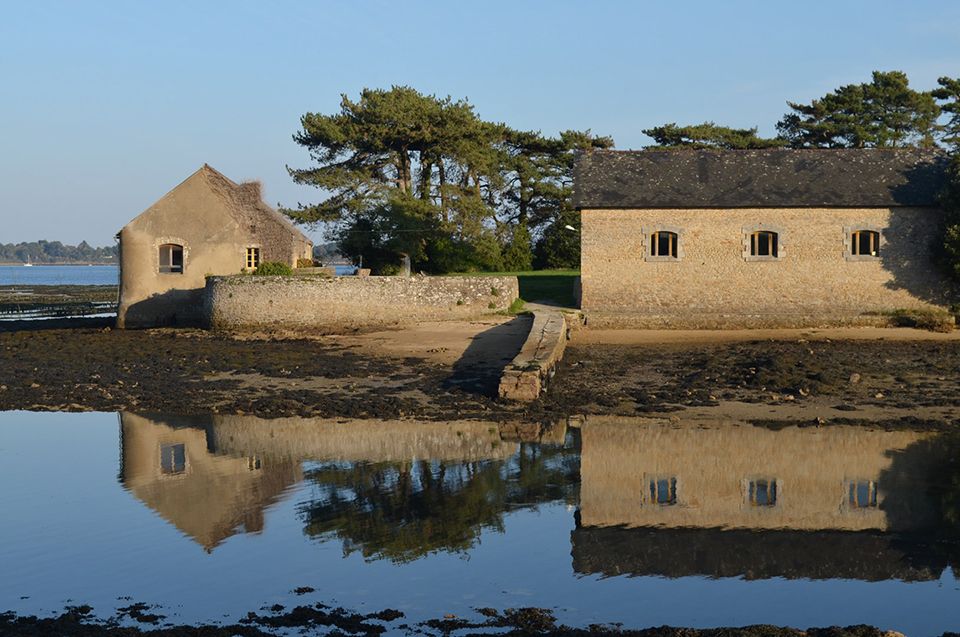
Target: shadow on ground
x,y
478,370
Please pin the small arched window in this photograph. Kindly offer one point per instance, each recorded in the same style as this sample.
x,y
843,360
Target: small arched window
x,y
865,243
664,243
171,258
764,243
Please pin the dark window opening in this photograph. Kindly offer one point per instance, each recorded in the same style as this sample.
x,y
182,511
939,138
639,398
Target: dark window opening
x,y
171,258
865,243
764,244
664,244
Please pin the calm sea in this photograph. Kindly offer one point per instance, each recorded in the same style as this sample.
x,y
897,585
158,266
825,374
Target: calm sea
x,y
59,275
640,521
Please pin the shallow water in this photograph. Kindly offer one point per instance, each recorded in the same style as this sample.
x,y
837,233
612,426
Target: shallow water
x,y
641,521
59,275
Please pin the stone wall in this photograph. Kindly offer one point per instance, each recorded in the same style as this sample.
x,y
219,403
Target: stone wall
x,y
713,284
328,305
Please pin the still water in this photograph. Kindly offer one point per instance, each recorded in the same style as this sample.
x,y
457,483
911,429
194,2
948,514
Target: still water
x,y
641,521
59,275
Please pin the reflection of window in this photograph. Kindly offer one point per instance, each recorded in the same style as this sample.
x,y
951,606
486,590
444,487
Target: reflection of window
x,y
254,463
862,494
663,244
253,258
762,492
663,491
173,459
764,243
171,258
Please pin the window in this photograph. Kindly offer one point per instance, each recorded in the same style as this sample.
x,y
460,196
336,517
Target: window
x,y
663,244
253,258
171,258
254,463
764,243
862,494
865,243
762,492
862,243
173,459
663,491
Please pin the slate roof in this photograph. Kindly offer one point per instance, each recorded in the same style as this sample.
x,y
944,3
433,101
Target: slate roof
x,y
759,178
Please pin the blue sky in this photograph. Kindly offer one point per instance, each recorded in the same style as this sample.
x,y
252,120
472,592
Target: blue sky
x,y
107,105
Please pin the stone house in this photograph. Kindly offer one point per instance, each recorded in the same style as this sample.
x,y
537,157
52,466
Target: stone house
x,y
207,225
707,238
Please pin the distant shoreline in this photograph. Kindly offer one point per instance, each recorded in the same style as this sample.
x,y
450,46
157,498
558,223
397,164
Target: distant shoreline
x,y
21,263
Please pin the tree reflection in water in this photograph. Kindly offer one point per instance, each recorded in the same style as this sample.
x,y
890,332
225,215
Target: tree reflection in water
x,y
404,511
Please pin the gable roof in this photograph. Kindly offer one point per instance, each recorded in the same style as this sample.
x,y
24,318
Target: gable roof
x,y
759,178
242,201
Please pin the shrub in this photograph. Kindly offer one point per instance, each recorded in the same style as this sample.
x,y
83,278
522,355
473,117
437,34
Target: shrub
x,y
304,263
273,268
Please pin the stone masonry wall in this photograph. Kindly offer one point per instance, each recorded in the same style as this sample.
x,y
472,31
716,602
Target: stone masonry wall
x,y
322,304
713,284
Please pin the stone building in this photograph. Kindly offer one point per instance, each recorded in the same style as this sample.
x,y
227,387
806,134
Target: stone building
x,y
707,238
207,225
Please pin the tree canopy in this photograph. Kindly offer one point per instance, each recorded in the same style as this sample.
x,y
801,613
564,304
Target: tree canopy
x,y
882,113
709,135
412,174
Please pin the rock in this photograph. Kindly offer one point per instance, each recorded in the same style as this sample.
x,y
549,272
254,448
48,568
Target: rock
x,y
34,385
878,395
789,397
804,391
854,378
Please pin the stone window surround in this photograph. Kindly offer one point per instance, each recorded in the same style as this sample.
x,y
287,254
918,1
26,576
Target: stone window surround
x,y
764,227
647,232
159,241
848,238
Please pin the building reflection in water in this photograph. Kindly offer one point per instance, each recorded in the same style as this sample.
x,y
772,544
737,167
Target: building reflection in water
x,y
653,496
723,499
390,489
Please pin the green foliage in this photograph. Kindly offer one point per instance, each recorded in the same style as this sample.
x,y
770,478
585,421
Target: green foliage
x,y
56,252
559,247
516,306
882,113
949,93
519,253
273,268
415,174
950,201
709,135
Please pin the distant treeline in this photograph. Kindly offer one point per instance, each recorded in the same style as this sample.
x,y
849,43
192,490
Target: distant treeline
x,y
56,252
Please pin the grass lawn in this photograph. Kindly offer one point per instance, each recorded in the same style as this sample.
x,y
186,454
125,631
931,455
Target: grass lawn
x,y
547,286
